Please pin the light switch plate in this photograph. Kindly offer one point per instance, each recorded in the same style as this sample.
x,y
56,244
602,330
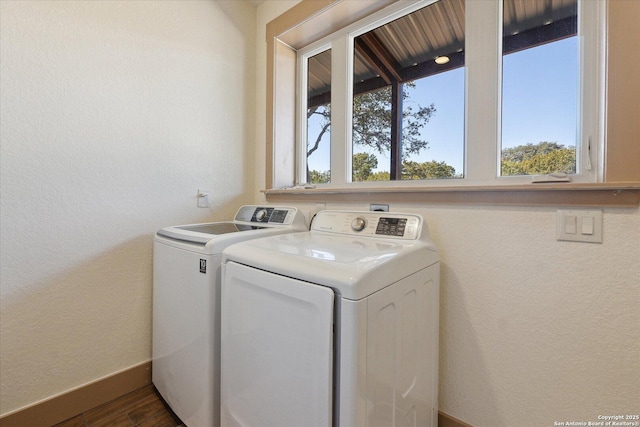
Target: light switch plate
x,y
203,198
579,225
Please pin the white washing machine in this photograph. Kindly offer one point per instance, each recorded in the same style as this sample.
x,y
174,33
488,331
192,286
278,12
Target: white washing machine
x,y
186,306
333,327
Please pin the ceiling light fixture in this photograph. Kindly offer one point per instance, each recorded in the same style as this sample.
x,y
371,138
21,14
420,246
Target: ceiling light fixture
x,y
442,60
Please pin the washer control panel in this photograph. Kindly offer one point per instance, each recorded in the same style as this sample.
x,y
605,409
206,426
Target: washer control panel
x,y
266,214
372,224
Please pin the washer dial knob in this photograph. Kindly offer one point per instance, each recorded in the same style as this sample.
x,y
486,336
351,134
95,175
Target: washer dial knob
x,y
261,215
358,224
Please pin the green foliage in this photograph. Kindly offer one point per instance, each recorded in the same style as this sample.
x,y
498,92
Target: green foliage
x,y
379,176
542,158
371,129
319,177
427,170
363,166
372,121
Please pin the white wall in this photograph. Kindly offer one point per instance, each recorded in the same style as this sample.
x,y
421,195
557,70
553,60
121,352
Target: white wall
x,y
533,330
113,114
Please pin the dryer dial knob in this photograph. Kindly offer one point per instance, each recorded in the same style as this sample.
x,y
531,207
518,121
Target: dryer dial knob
x,y
358,224
261,215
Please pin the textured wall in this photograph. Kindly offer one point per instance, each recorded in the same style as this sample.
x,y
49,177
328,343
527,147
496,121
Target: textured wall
x,y
534,330
113,115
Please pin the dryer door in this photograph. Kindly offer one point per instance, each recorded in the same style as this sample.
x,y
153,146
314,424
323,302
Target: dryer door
x,y
277,350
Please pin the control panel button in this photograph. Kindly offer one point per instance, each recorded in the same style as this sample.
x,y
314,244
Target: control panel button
x,y
358,224
392,226
278,216
262,215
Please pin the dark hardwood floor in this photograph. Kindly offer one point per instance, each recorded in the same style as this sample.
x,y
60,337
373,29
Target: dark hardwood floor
x,y
143,407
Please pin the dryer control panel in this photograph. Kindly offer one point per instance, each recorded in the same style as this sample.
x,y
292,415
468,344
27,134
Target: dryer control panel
x,y
372,224
266,214
391,226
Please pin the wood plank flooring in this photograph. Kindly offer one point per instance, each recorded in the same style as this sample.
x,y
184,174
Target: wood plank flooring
x,y
143,408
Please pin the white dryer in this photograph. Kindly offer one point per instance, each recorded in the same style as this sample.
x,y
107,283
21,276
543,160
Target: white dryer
x,y
186,306
333,327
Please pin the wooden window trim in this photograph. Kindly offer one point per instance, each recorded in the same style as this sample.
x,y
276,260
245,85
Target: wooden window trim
x,y
311,20
621,195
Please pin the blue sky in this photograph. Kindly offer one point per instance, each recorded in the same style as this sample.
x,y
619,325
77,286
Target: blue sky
x,y
539,104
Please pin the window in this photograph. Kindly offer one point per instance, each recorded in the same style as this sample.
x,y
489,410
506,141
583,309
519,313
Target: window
x,y
539,87
454,92
408,110
318,117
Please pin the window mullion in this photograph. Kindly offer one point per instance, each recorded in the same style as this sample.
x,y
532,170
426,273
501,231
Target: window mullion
x,y
482,61
301,128
341,53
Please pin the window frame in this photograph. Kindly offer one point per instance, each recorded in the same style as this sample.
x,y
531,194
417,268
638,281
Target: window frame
x,y
483,91
310,20
302,107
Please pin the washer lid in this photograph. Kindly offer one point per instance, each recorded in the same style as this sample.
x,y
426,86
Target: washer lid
x,y
354,266
202,233
248,218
